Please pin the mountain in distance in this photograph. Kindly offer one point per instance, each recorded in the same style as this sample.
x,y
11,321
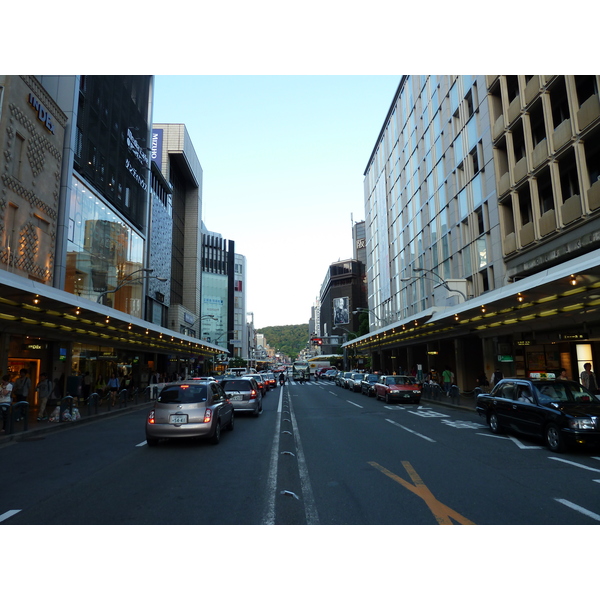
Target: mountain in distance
x,y
288,339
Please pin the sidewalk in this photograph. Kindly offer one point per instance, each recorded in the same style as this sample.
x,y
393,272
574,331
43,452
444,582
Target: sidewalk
x,y
466,401
37,428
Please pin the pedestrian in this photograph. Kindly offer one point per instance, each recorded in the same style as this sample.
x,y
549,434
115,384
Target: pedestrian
x,y
21,386
588,379
301,376
563,374
44,389
447,379
482,381
86,385
496,377
5,400
113,386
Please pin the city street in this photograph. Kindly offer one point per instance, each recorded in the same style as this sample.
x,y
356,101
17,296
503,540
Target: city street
x,y
318,454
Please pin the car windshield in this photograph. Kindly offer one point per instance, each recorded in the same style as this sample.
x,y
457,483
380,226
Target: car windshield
x,y
236,385
372,378
184,394
563,391
400,381
357,376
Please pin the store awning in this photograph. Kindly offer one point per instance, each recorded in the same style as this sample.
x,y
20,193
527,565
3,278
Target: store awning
x,y
31,308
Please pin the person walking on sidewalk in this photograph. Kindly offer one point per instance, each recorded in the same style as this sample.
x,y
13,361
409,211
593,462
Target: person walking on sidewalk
x,y
44,389
22,386
448,379
5,400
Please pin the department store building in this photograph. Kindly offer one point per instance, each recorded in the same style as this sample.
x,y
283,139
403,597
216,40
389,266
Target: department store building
x,y
482,198
76,192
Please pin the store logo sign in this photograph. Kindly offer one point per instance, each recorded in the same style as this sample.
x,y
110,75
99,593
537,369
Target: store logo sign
x,y
43,115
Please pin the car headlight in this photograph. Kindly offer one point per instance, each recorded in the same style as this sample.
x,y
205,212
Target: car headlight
x,y
582,423
394,391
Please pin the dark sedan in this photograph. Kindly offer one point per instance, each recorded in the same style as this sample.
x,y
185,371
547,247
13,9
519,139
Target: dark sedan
x,y
367,385
559,411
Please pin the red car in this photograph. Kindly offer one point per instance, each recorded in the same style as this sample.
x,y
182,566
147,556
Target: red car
x,y
398,388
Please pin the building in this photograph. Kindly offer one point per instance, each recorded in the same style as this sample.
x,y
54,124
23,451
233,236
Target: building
x,y
75,207
341,293
241,339
481,211
218,288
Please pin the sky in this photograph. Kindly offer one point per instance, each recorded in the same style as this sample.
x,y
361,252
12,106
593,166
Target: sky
x,y
283,159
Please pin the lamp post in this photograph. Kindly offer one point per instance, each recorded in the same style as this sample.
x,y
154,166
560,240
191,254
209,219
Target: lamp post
x,y
127,280
441,281
367,310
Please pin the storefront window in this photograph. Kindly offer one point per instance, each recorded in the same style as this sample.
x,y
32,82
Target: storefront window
x,y
103,253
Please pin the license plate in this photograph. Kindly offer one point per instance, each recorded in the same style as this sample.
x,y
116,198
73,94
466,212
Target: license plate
x,y
178,419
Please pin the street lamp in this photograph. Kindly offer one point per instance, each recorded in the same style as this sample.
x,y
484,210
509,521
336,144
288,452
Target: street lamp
x,y
367,310
127,280
441,281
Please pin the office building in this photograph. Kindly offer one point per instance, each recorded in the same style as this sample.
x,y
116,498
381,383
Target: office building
x,y
481,211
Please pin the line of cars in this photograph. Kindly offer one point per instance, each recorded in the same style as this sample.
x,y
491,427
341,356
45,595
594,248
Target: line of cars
x,y
389,388
203,406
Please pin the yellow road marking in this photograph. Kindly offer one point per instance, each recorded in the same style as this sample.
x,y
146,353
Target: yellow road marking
x,y
441,512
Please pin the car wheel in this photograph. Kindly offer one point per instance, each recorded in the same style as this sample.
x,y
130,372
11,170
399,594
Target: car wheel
x,y
152,441
554,438
230,426
493,423
216,436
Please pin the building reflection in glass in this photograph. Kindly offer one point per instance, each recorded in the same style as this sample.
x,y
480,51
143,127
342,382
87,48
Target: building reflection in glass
x,y
102,251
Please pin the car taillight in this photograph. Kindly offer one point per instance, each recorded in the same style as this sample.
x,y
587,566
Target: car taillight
x,y
253,394
207,415
151,417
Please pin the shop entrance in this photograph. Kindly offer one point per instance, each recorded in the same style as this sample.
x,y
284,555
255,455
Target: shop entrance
x,y
32,365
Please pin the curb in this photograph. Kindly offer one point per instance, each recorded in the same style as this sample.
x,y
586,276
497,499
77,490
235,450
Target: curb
x,y
49,428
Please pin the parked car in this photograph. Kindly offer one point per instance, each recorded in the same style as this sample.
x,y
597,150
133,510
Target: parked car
x,y
339,378
345,379
561,412
263,386
189,409
398,388
367,385
244,395
354,381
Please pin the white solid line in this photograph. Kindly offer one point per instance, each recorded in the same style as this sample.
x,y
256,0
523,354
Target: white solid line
x,y
8,514
410,430
141,444
354,403
574,464
583,511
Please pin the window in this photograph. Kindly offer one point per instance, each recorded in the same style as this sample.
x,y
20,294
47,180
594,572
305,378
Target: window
x,y
592,157
586,86
536,119
512,87
525,204
559,102
569,182
546,197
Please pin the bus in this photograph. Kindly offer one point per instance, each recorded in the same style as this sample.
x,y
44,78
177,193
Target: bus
x,y
300,370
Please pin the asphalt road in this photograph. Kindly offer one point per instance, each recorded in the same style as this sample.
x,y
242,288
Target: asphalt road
x,y
317,455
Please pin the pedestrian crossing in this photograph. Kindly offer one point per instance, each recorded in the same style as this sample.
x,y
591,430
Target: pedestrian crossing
x,y
311,382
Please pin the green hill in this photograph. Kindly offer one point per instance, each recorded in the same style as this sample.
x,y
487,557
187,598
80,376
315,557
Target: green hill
x,y
289,339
